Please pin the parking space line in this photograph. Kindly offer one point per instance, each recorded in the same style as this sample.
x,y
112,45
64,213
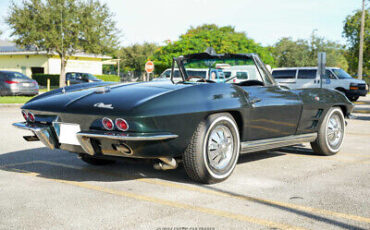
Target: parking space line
x,y
223,194
358,134
17,164
331,158
164,202
361,111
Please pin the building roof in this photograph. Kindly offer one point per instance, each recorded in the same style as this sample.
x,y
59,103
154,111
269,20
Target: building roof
x,y
10,48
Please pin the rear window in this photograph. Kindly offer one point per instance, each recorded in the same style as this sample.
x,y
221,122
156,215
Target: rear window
x,y
306,74
283,74
13,75
242,75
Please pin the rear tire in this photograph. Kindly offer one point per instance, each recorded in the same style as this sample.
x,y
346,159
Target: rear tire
x,y
331,133
95,161
214,149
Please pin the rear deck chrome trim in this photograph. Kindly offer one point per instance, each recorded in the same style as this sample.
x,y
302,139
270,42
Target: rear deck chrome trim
x,y
273,143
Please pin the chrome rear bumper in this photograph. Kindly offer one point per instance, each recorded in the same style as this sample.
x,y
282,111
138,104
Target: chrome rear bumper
x,y
47,135
43,132
85,138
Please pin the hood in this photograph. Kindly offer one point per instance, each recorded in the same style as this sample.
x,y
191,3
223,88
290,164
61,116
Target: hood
x,y
107,100
354,80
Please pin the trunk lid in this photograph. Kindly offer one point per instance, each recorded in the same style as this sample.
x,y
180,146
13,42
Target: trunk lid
x,y
117,100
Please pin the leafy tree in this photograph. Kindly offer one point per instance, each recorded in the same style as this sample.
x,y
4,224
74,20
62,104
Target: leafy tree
x,y
289,53
223,39
133,58
351,31
64,27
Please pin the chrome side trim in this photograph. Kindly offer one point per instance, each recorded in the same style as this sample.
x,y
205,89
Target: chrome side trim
x,y
272,143
43,132
85,138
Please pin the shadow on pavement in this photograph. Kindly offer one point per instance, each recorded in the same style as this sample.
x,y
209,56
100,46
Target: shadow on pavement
x,y
62,165
59,164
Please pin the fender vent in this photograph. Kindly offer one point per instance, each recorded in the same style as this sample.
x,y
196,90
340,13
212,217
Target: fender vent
x,y
319,113
314,124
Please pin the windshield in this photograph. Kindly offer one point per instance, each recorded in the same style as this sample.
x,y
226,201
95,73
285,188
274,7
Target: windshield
x,y
219,70
341,74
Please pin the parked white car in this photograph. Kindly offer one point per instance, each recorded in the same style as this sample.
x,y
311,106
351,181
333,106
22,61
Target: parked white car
x,y
166,75
308,77
240,73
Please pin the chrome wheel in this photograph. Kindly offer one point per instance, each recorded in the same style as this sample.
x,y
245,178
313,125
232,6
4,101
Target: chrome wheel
x,y
220,147
334,131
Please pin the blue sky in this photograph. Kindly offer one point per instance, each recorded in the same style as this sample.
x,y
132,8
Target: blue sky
x,y
266,21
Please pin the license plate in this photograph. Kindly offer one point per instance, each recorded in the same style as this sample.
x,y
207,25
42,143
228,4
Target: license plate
x,y
27,84
67,133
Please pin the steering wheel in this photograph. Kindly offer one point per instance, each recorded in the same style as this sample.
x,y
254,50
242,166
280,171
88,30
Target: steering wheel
x,y
251,83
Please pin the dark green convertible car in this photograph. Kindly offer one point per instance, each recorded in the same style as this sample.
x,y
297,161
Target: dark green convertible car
x,y
196,121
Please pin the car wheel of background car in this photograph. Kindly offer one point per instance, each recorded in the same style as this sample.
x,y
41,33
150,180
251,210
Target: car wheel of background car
x,y
331,133
214,149
95,161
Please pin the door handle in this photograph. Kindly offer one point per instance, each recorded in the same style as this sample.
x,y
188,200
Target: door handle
x,y
254,100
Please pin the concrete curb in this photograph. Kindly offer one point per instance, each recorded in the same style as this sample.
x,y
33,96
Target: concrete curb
x,y
12,105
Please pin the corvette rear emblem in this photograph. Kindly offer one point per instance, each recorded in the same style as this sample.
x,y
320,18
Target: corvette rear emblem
x,y
102,105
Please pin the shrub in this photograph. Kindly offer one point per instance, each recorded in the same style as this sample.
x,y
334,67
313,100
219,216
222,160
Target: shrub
x,y
42,79
106,77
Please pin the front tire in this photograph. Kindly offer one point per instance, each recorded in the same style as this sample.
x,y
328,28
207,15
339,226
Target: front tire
x,y
331,133
214,149
94,161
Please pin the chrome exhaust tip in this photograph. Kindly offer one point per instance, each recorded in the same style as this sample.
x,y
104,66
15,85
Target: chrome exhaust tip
x,y
166,163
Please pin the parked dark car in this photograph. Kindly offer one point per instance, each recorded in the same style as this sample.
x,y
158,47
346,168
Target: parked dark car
x,y
15,83
78,78
197,121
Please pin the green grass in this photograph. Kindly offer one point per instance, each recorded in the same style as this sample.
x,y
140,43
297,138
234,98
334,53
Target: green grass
x,y
14,99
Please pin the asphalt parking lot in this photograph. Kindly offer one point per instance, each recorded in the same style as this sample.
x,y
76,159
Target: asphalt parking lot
x,y
290,188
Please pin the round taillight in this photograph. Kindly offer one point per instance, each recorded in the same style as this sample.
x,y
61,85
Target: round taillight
x,y
121,124
107,123
31,117
24,114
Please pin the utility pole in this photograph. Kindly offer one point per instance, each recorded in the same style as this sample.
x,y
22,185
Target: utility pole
x,y
361,49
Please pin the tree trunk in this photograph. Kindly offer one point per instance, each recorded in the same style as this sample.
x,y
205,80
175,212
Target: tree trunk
x,y
62,78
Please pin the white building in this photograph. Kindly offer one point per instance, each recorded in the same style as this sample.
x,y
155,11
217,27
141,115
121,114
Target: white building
x,y
30,61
